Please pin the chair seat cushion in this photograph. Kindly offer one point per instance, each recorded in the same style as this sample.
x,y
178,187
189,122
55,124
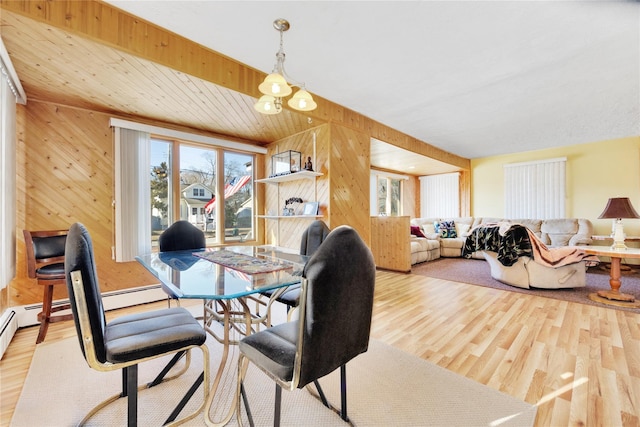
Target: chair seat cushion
x,y
273,350
290,297
147,334
53,271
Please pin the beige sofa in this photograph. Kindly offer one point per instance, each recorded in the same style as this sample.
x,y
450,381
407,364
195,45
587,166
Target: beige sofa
x,y
552,232
526,272
423,249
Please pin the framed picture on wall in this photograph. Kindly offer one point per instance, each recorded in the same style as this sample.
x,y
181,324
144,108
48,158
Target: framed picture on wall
x,y
310,208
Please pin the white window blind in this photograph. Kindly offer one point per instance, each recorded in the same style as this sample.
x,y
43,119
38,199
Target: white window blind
x,y
440,195
11,92
535,189
133,194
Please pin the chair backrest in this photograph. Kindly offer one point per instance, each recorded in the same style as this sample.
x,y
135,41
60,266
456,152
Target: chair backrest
x,y
336,317
313,237
43,247
86,302
181,236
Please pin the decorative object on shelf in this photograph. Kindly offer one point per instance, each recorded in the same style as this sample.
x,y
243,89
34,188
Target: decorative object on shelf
x,y
275,87
310,208
618,208
308,166
285,163
287,211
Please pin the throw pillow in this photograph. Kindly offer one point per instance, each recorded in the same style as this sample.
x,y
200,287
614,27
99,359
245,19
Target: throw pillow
x,y
415,230
447,229
428,228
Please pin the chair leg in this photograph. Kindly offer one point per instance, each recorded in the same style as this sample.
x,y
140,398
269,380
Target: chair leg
x,y
130,389
343,393
45,314
245,400
276,409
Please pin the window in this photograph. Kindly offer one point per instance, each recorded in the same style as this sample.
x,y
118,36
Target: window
x,y
238,196
173,175
198,172
535,189
386,194
440,195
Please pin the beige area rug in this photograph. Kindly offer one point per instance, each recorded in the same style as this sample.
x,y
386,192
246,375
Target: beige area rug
x,y
386,387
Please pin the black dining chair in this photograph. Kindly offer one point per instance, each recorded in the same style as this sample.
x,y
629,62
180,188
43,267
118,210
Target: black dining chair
x,y
128,340
312,238
180,236
335,309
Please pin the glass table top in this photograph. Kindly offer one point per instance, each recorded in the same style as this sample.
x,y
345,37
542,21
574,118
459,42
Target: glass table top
x,y
185,275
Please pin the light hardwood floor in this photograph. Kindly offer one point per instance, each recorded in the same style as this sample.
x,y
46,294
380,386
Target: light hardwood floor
x,y
579,363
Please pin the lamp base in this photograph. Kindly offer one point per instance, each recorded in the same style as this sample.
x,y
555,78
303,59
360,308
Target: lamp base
x,y
604,300
619,246
618,236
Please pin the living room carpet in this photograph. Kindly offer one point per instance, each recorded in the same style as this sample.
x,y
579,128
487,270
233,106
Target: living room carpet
x,y
385,387
478,272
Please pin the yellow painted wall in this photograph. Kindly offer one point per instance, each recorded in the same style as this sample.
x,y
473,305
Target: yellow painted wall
x,y
595,172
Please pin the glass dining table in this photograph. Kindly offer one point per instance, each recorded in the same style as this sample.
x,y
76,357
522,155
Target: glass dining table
x,y
230,281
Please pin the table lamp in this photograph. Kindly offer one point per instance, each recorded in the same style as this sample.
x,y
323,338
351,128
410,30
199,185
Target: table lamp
x,y
618,208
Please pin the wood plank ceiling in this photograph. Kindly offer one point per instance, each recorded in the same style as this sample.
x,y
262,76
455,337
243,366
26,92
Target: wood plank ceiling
x,y
115,82
64,67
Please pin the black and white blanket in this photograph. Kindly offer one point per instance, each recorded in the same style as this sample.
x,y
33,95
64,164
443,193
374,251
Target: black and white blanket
x,y
511,241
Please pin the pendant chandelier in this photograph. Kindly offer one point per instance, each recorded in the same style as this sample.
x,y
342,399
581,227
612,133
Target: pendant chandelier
x,y
275,87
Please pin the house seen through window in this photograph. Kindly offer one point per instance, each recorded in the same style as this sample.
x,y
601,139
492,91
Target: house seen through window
x,y
192,196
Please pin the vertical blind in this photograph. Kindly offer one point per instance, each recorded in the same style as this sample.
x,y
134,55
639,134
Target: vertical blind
x,y
440,195
535,189
11,92
133,194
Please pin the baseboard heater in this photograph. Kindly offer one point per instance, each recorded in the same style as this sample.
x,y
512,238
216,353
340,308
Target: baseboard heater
x,y
8,328
27,315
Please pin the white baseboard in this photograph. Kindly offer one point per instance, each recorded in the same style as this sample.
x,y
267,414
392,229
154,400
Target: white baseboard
x,y
28,314
8,328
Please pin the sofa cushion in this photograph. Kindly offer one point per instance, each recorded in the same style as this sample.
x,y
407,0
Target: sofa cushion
x,y
534,225
462,229
566,232
428,228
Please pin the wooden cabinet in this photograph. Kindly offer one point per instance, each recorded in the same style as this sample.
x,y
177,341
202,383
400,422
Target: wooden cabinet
x,y
391,242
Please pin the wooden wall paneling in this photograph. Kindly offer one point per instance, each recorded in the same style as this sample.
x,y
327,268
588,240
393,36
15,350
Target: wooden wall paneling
x,y
411,200
65,175
349,171
390,242
465,193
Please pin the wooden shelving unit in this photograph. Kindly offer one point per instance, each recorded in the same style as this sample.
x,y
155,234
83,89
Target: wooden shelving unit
x,y
290,216
277,180
290,177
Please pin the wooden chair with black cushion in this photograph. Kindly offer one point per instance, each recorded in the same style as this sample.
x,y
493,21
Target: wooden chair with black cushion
x,y
128,340
333,327
45,263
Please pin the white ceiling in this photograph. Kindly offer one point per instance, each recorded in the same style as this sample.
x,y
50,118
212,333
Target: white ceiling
x,y
474,78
